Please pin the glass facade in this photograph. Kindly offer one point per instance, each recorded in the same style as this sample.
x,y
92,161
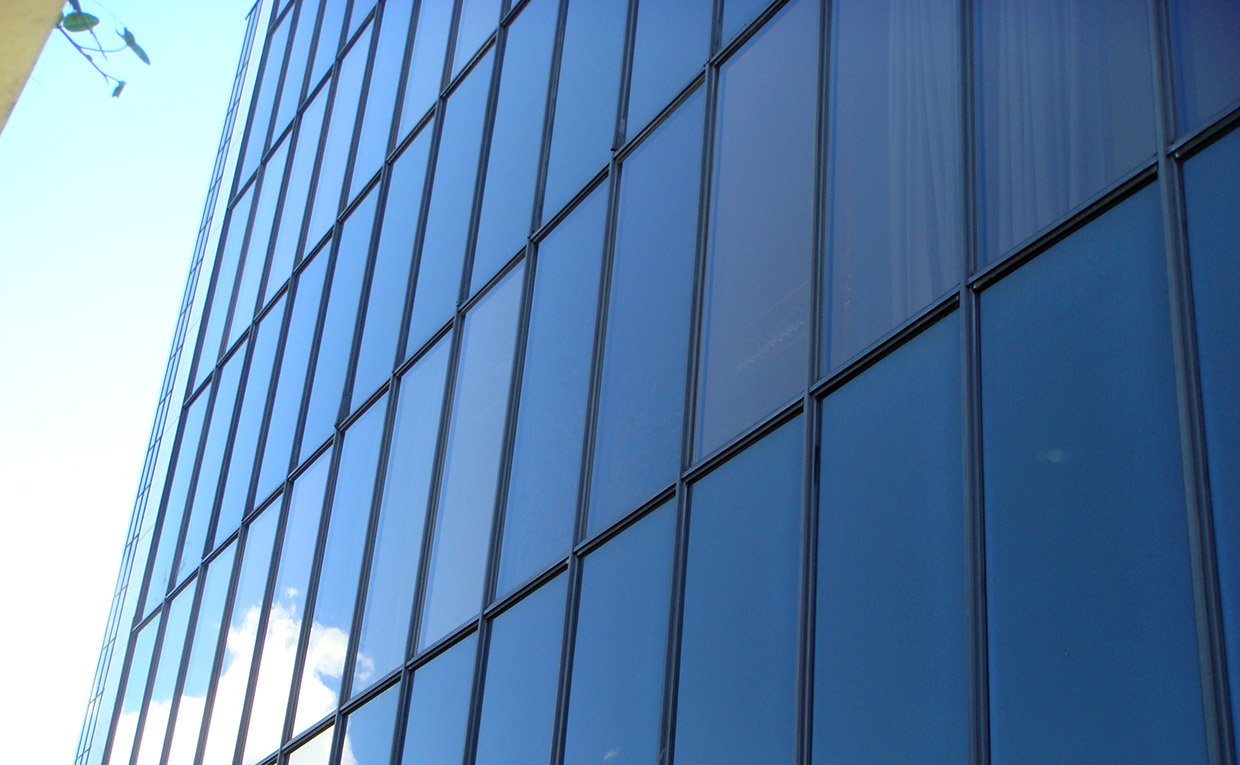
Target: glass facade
x,y
661,380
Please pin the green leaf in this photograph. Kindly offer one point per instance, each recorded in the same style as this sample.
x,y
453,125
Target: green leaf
x,y
116,92
79,22
133,45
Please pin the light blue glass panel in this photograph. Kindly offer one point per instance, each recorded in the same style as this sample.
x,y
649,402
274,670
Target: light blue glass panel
x,y
210,346
671,43
426,63
439,706
738,14
1205,58
1092,634
126,725
255,264
293,208
263,99
299,55
471,461
316,751
368,730
150,743
477,22
331,29
381,92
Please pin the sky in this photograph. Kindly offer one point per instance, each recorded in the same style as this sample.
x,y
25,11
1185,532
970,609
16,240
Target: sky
x,y
100,200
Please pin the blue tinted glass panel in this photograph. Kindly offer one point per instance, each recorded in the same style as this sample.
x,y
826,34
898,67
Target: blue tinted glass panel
x,y
368,731
263,100
585,100
293,209
299,54
150,743
1065,108
737,14
471,461
331,28
670,45
737,699
891,665
402,518
516,141
260,239
372,141
1212,193
615,700
755,317
1092,637
331,367
389,282
518,701
439,706
478,20
646,341
126,725
210,346
426,63
551,419
447,224
895,192
1205,58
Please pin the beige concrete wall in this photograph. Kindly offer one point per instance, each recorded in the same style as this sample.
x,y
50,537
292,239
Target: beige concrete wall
x,y
24,26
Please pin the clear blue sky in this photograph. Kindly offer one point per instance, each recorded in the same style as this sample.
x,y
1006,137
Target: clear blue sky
x,y
99,206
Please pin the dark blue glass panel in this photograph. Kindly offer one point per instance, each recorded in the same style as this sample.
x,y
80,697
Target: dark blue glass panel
x,y
389,282
227,264
891,667
331,29
426,63
738,14
331,366
738,689
672,41
1065,108
368,730
1212,194
323,671
646,342
286,406
255,264
402,518
518,701
121,745
895,193
1092,636
551,419
447,223
293,208
585,100
299,55
439,706
263,99
516,141
478,20
381,92
615,701
1205,58
150,741
756,311
471,461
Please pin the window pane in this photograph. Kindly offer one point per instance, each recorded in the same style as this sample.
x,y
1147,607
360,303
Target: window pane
x,y
471,462
439,706
372,141
1212,191
891,665
389,283
135,686
293,209
738,14
402,518
426,63
1205,58
585,100
331,27
641,395
316,751
546,461
478,20
299,54
516,141
447,224
151,742
518,703
617,687
260,240
267,86
737,700
895,195
1065,107
672,42
756,310
369,729
210,346
332,614
1092,638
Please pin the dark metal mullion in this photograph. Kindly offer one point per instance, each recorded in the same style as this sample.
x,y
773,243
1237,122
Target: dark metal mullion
x,y
1216,706
1206,133
626,76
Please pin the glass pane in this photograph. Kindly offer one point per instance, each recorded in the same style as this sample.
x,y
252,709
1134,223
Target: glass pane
x,y
316,751
671,44
239,641
340,318
616,697
551,419
372,141
279,647
645,345
518,702
369,729
389,283
1212,192
293,209
516,141
756,309
249,422
336,593
895,193
210,346
286,406
263,99
585,100
439,706
1065,108
331,28
1205,58
402,518
471,461
299,53
426,63
1092,637
478,20
738,14
163,689
207,634
447,224
891,667
738,653
260,239
126,726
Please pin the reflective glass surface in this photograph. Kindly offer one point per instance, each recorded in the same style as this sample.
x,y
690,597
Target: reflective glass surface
x,y
738,14
477,21
381,92
266,88
368,731
316,751
331,29
426,62
260,239
1205,58
150,743
293,209
125,727
229,260
439,706
299,52
671,43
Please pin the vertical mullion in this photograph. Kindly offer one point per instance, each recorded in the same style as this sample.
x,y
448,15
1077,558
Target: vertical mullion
x,y
544,149
273,21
